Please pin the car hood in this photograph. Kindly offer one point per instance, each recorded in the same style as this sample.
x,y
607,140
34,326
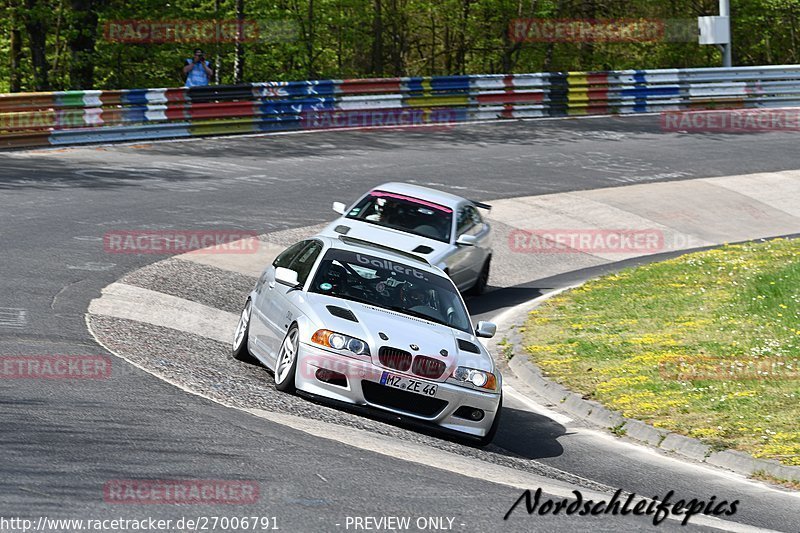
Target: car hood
x,y
402,331
407,242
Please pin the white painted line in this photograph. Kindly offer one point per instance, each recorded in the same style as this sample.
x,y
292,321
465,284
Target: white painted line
x,y
439,459
13,317
457,464
249,264
535,407
120,300
265,249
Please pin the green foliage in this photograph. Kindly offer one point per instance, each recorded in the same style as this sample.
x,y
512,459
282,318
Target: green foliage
x,y
706,344
303,39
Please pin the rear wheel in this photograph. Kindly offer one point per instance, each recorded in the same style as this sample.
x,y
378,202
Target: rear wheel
x,y
483,278
240,351
286,363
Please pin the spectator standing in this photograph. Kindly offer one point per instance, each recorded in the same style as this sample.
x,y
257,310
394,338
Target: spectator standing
x,y
197,70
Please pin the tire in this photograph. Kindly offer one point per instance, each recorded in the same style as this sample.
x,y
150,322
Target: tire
x,y
239,350
286,362
489,437
483,279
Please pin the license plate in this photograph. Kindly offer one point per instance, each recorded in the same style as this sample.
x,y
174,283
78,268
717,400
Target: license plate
x,y
408,384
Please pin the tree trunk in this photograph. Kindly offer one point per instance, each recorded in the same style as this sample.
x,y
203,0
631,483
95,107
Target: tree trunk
x,y
432,53
398,29
82,42
461,53
15,52
312,71
511,48
216,45
377,40
448,58
548,57
37,38
58,44
586,59
238,58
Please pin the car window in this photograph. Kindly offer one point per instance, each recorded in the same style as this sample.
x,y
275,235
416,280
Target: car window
x,y
285,257
405,213
464,221
477,221
469,221
391,285
304,261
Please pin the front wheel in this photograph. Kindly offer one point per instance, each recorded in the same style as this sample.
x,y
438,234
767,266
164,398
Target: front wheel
x,y
240,351
286,363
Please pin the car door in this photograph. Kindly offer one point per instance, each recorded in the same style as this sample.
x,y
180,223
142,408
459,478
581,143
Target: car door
x,y
461,263
262,329
284,299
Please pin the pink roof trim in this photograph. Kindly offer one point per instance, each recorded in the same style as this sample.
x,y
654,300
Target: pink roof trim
x,y
412,200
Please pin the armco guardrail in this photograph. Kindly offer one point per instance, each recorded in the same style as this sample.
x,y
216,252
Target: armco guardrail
x,y
76,117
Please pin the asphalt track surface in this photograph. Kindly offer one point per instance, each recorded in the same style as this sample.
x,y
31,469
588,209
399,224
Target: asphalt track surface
x,y
62,440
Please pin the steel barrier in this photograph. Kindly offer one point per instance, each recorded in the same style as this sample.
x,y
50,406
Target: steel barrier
x,y
79,117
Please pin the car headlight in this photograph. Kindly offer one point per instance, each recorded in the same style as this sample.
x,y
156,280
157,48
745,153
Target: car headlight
x,y
477,378
339,341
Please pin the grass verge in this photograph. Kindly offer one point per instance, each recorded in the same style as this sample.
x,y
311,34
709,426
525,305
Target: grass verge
x,y
706,345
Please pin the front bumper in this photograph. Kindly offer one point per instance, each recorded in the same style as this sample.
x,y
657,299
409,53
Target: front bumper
x,y
440,411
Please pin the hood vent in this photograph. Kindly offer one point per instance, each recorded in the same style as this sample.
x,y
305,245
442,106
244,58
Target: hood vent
x,y
341,228
394,313
422,249
467,346
341,312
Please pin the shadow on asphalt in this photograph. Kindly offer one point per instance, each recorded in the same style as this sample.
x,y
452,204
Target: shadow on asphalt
x,y
94,167
520,434
529,435
502,298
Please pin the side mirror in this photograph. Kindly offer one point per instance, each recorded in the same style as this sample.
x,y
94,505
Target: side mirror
x,y
467,240
486,330
339,207
284,276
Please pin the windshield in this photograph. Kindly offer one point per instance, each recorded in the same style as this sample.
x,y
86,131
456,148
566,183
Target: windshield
x,y
391,285
405,213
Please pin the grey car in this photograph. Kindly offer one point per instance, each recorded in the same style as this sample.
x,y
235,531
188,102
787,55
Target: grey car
x,y
445,229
